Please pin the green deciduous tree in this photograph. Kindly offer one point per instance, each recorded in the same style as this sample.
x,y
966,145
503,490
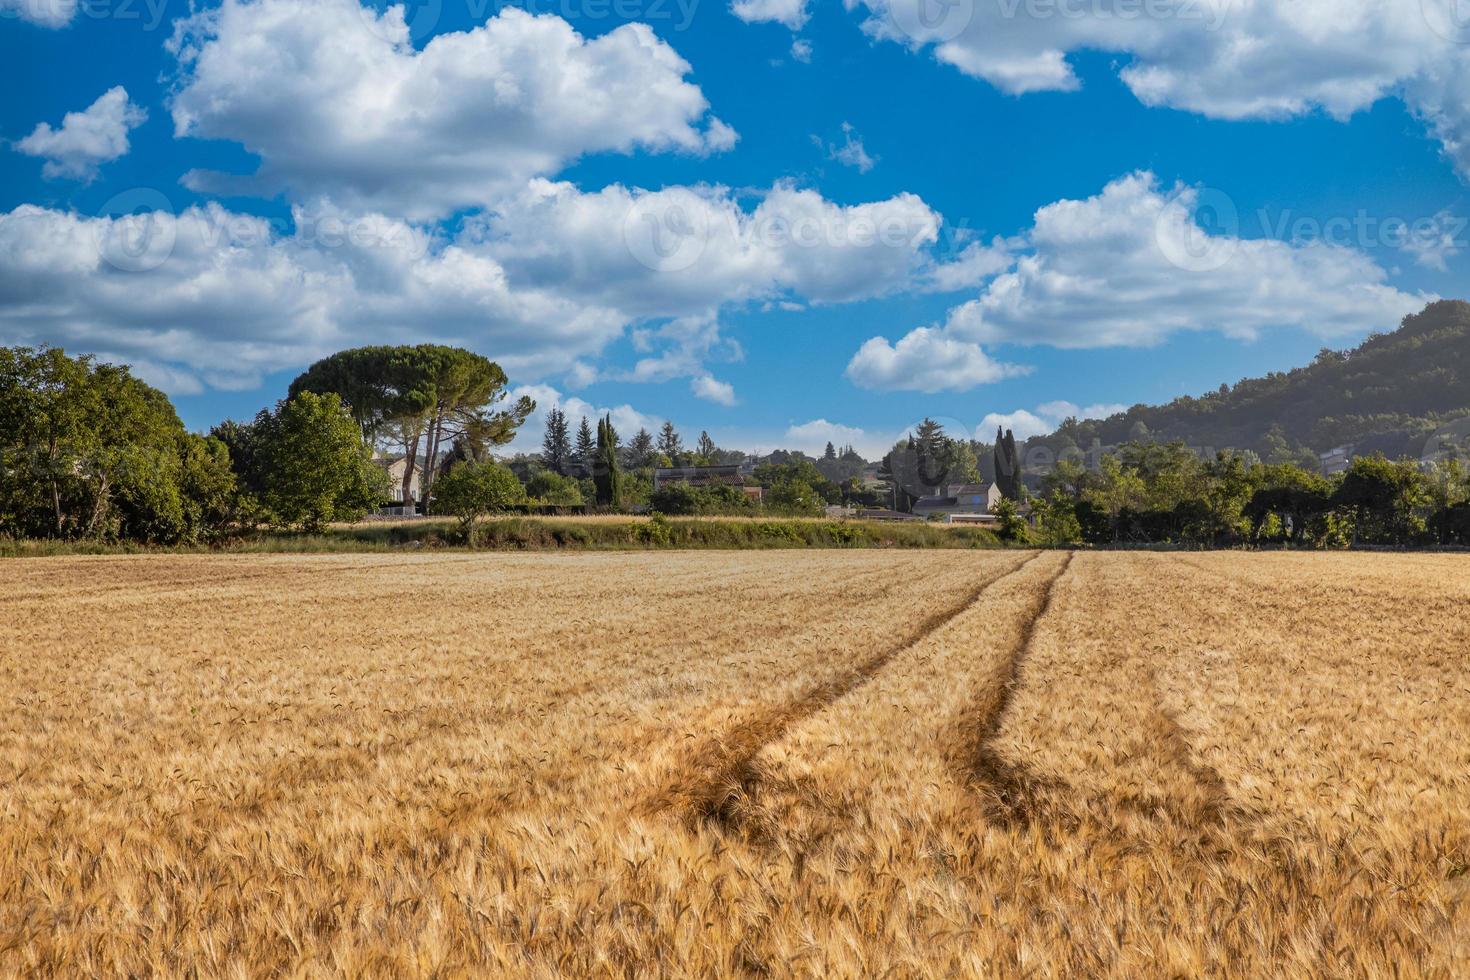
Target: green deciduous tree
x,y
472,490
1011,526
88,450
313,465
1387,500
554,489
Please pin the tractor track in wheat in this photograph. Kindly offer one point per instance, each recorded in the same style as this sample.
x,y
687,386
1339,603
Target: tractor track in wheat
x,y
722,771
1008,788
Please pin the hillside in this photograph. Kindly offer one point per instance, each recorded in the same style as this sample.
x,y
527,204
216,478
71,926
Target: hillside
x,y
1389,394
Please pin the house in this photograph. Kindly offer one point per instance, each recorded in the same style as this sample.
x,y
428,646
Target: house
x,y
730,474
395,467
963,500
1337,460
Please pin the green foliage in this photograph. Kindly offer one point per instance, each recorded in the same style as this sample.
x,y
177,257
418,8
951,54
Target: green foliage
x,y
639,453
797,487
796,496
1012,526
607,476
471,491
554,489
423,395
556,444
1386,500
312,465
669,445
657,531
1056,521
683,499
89,451
585,450
1389,395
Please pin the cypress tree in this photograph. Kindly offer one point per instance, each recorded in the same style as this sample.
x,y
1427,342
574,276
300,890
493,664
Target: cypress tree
x,y
606,475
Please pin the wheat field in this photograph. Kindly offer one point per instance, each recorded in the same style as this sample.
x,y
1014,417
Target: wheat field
x,y
737,763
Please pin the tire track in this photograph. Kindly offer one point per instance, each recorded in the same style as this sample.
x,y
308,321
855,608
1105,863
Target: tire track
x,y
1213,804
1009,790
718,781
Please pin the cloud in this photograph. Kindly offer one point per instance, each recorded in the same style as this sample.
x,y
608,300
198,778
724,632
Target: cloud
x,y
542,285
790,13
223,298
1021,423
1132,266
812,438
851,153
338,103
86,139
1434,241
976,263
1226,59
712,390
1060,411
801,51
926,360
1044,420
42,13
686,251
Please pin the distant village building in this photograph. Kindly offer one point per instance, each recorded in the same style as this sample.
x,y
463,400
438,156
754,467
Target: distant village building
x,y
1337,460
961,502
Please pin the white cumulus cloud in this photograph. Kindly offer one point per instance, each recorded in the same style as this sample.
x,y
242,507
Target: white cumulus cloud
x,y
1044,419
338,103
1131,267
927,360
711,389
789,13
684,251
87,139
1227,59
225,297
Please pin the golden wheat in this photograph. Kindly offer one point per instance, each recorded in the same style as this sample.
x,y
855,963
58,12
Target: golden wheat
x,y
790,763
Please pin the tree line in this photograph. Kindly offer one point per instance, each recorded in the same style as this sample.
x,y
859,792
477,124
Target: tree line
x,y
87,450
1147,493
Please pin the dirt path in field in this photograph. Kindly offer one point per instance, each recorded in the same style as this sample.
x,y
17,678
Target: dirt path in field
x,y
720,775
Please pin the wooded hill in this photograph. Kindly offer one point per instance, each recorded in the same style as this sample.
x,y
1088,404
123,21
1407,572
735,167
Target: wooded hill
x,y
1389,395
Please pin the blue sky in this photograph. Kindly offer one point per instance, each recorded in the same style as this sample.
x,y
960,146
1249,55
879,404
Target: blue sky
x,y
1000,210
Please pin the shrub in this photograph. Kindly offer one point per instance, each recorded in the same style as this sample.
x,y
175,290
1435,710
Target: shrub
x,y
1012,527
656,531
470,491
683,500
554,490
